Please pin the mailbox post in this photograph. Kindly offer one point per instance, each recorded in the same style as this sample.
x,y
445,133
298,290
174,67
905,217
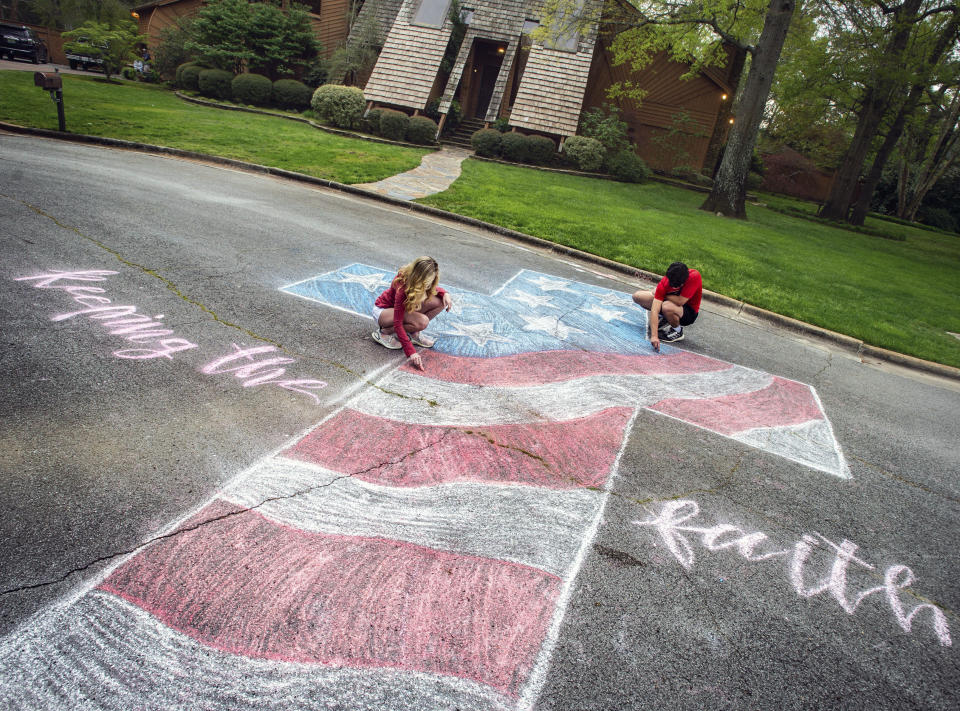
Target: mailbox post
x,y
52,82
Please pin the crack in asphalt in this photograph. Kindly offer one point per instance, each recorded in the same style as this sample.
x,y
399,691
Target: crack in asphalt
x,y
826,367
216,519
171,286
903,480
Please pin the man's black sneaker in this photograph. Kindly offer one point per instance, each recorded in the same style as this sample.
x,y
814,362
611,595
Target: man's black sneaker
x,y
673,335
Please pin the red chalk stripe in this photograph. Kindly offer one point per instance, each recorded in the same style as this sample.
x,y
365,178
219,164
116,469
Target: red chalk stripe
x,y
245,585
558,455
556,366
783,402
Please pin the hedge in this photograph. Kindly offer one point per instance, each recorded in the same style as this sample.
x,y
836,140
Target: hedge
x,y
513,146
215,83
541,150
422,131
291,94
339,105
486,142
586,153
393,124
253,89
371,122
627,167
190,76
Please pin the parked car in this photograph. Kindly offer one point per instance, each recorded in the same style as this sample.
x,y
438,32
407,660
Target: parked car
x,y
80,53
19,42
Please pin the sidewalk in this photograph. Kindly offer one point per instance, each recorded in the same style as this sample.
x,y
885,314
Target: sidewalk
x,y
435,174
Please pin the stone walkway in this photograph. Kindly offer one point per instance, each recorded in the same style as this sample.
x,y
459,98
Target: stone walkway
x,y
434,175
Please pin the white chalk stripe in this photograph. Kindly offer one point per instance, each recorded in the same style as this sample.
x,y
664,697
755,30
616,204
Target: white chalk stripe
x,y
105,653
524,524
471,405
810,443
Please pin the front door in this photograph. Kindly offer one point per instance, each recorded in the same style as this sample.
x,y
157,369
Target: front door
x,y
487,59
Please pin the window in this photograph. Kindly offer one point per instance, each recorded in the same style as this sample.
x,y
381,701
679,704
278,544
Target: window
x,y
466,16
529,26
566,29
431,13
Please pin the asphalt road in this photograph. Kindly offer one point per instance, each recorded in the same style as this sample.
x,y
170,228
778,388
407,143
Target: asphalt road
x,y
714,574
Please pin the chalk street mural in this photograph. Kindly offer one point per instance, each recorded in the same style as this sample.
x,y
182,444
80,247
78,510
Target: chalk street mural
x,y
418,547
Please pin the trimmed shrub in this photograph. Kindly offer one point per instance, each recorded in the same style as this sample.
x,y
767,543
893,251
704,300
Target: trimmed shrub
x,y
341,106
128,73
422,131
291,94
371,122
251,89
393,124
514,146
586,153
754,179
626,166
190,77
939,217
215,83
486,142
501,124
540,150
454,116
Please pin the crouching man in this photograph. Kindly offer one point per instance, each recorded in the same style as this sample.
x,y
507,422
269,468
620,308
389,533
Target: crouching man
x,y
675,303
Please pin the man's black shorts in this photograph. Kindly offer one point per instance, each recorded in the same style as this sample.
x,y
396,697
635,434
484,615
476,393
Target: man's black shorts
x,y
689,315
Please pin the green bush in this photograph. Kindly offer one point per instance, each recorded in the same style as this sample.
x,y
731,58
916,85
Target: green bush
x,y
605,125
291,94
626,166
190,76
393,124
128,73
486,142
371,122
514,146
753,180
939,217
215,83
454,116
253,89
341,106
540,150
586,153
501,124
422,131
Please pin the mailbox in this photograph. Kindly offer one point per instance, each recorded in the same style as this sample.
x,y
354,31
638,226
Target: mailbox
x,y
47,80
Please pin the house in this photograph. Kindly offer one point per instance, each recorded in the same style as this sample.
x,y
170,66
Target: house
x,y
503,70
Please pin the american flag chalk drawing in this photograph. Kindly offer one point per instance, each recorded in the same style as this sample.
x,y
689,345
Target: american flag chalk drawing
x,y
417,548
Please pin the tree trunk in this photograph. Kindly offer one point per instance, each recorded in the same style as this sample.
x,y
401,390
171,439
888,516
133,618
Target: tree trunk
x,y
730,186
876,103
945,152
722,124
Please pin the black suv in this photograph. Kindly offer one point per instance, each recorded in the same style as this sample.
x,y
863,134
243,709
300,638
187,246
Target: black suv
x,y
19,41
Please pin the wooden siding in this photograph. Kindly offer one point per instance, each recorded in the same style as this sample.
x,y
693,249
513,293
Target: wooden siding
x,y
667,96
409,61
330,26
386,12
551,91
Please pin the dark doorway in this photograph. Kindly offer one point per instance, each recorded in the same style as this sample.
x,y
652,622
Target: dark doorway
x,y
487,60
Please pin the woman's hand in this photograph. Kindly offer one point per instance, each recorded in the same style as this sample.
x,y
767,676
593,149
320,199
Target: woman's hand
x,y
447,301
416,360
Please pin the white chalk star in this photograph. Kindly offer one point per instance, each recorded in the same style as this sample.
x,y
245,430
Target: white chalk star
x,y
615,299
532,300
548,324
607,315
371,282
548,284
479,333
459,304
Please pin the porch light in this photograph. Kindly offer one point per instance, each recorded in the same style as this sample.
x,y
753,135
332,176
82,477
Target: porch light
x,y
723,97
135,15
501,50
731,119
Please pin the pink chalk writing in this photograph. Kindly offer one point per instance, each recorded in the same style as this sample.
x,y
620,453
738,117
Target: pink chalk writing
x,y
124,320
672,523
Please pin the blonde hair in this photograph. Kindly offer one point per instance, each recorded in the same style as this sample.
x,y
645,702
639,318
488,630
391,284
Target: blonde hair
x,y
420,278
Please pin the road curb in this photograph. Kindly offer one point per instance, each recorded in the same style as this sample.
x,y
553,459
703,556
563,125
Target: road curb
x,y
857,347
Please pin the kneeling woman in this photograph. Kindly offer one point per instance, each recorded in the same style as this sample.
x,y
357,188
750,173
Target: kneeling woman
x,y
406,308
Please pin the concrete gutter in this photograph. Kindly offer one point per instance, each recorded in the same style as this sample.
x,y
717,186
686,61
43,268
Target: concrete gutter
x,y
855,346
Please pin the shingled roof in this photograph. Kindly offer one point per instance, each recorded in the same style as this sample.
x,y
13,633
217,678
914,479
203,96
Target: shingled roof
x,y
409,62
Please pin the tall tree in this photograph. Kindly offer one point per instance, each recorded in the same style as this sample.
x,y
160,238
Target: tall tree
x,y
729,190
888,81
946,36
940,150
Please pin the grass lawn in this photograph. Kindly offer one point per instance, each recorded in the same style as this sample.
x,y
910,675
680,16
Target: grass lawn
x,y
901,295
151,114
